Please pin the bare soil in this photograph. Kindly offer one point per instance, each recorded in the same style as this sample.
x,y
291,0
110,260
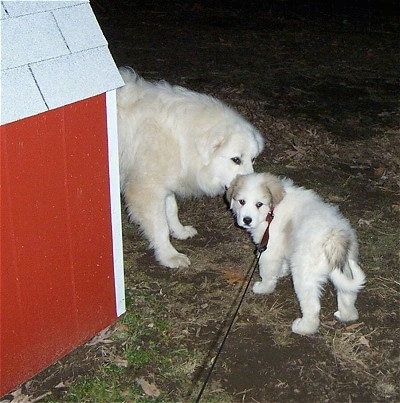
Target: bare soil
x,y
322,84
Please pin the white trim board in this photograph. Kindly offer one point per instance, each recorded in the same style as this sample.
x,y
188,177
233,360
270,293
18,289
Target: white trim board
x,y
115,201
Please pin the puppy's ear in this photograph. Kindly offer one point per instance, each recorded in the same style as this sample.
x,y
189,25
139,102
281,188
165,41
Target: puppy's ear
x,y
275,187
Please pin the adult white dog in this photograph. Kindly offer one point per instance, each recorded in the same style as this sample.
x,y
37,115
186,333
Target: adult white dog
x,y
310,238
173,141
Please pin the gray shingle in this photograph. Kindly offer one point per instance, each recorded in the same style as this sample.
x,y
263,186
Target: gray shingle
x,y
77,76
4,13
30,39
21,102
88,35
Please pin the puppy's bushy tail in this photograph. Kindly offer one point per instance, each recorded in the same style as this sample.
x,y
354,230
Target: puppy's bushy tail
x,y
336,248
344,283
339,247
341,250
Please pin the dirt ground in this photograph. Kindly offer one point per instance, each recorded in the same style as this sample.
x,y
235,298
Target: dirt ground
x,y
322,84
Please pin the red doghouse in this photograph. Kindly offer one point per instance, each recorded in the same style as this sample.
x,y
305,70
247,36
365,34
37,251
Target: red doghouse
x,y
61,244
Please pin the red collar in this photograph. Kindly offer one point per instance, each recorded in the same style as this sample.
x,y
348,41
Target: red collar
x,y
264,241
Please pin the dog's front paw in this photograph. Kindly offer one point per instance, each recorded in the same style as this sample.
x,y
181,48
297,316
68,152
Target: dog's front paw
x,y
305,326
178,260
260,287
184,232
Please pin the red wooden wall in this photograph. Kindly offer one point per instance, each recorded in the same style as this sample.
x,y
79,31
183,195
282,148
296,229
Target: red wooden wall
x,y
57,281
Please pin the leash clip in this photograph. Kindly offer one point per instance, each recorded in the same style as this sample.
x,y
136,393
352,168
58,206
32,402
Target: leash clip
x,y
261,249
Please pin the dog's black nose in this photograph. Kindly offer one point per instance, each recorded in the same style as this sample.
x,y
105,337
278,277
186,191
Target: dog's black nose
x,y
247,220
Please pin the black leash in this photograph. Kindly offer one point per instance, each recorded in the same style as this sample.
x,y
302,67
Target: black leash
x,y
251,271
260,248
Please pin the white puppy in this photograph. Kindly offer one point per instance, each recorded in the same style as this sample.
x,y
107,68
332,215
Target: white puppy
x,y
310,238
173,141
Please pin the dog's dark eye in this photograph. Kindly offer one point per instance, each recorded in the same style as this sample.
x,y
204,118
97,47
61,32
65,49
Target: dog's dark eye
x,y
259,204
242,202
236,160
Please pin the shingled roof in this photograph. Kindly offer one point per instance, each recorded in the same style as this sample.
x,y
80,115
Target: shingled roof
x,y
53,53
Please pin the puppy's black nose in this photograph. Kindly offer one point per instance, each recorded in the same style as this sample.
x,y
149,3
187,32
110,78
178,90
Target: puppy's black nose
x,y
247,220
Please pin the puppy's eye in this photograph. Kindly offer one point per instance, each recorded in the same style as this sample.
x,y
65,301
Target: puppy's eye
x,y
259,204
242,202
236,160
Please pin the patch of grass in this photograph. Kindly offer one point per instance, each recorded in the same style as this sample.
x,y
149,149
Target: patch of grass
x,y
138,358
147,345
94,389
136,345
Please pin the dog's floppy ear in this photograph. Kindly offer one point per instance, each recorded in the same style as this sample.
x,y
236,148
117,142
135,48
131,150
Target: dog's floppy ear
x,y
208,144
275,187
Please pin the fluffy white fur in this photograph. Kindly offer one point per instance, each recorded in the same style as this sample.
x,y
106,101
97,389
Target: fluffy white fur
x,y
308,237
173,141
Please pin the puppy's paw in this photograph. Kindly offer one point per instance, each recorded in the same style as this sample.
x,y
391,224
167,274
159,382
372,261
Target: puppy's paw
x,y
175,261
184,232
346,316
305,326
260,287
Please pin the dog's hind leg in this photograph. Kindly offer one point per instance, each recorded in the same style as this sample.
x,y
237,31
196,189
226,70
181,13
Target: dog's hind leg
x,y
347,290
346,306
176,229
